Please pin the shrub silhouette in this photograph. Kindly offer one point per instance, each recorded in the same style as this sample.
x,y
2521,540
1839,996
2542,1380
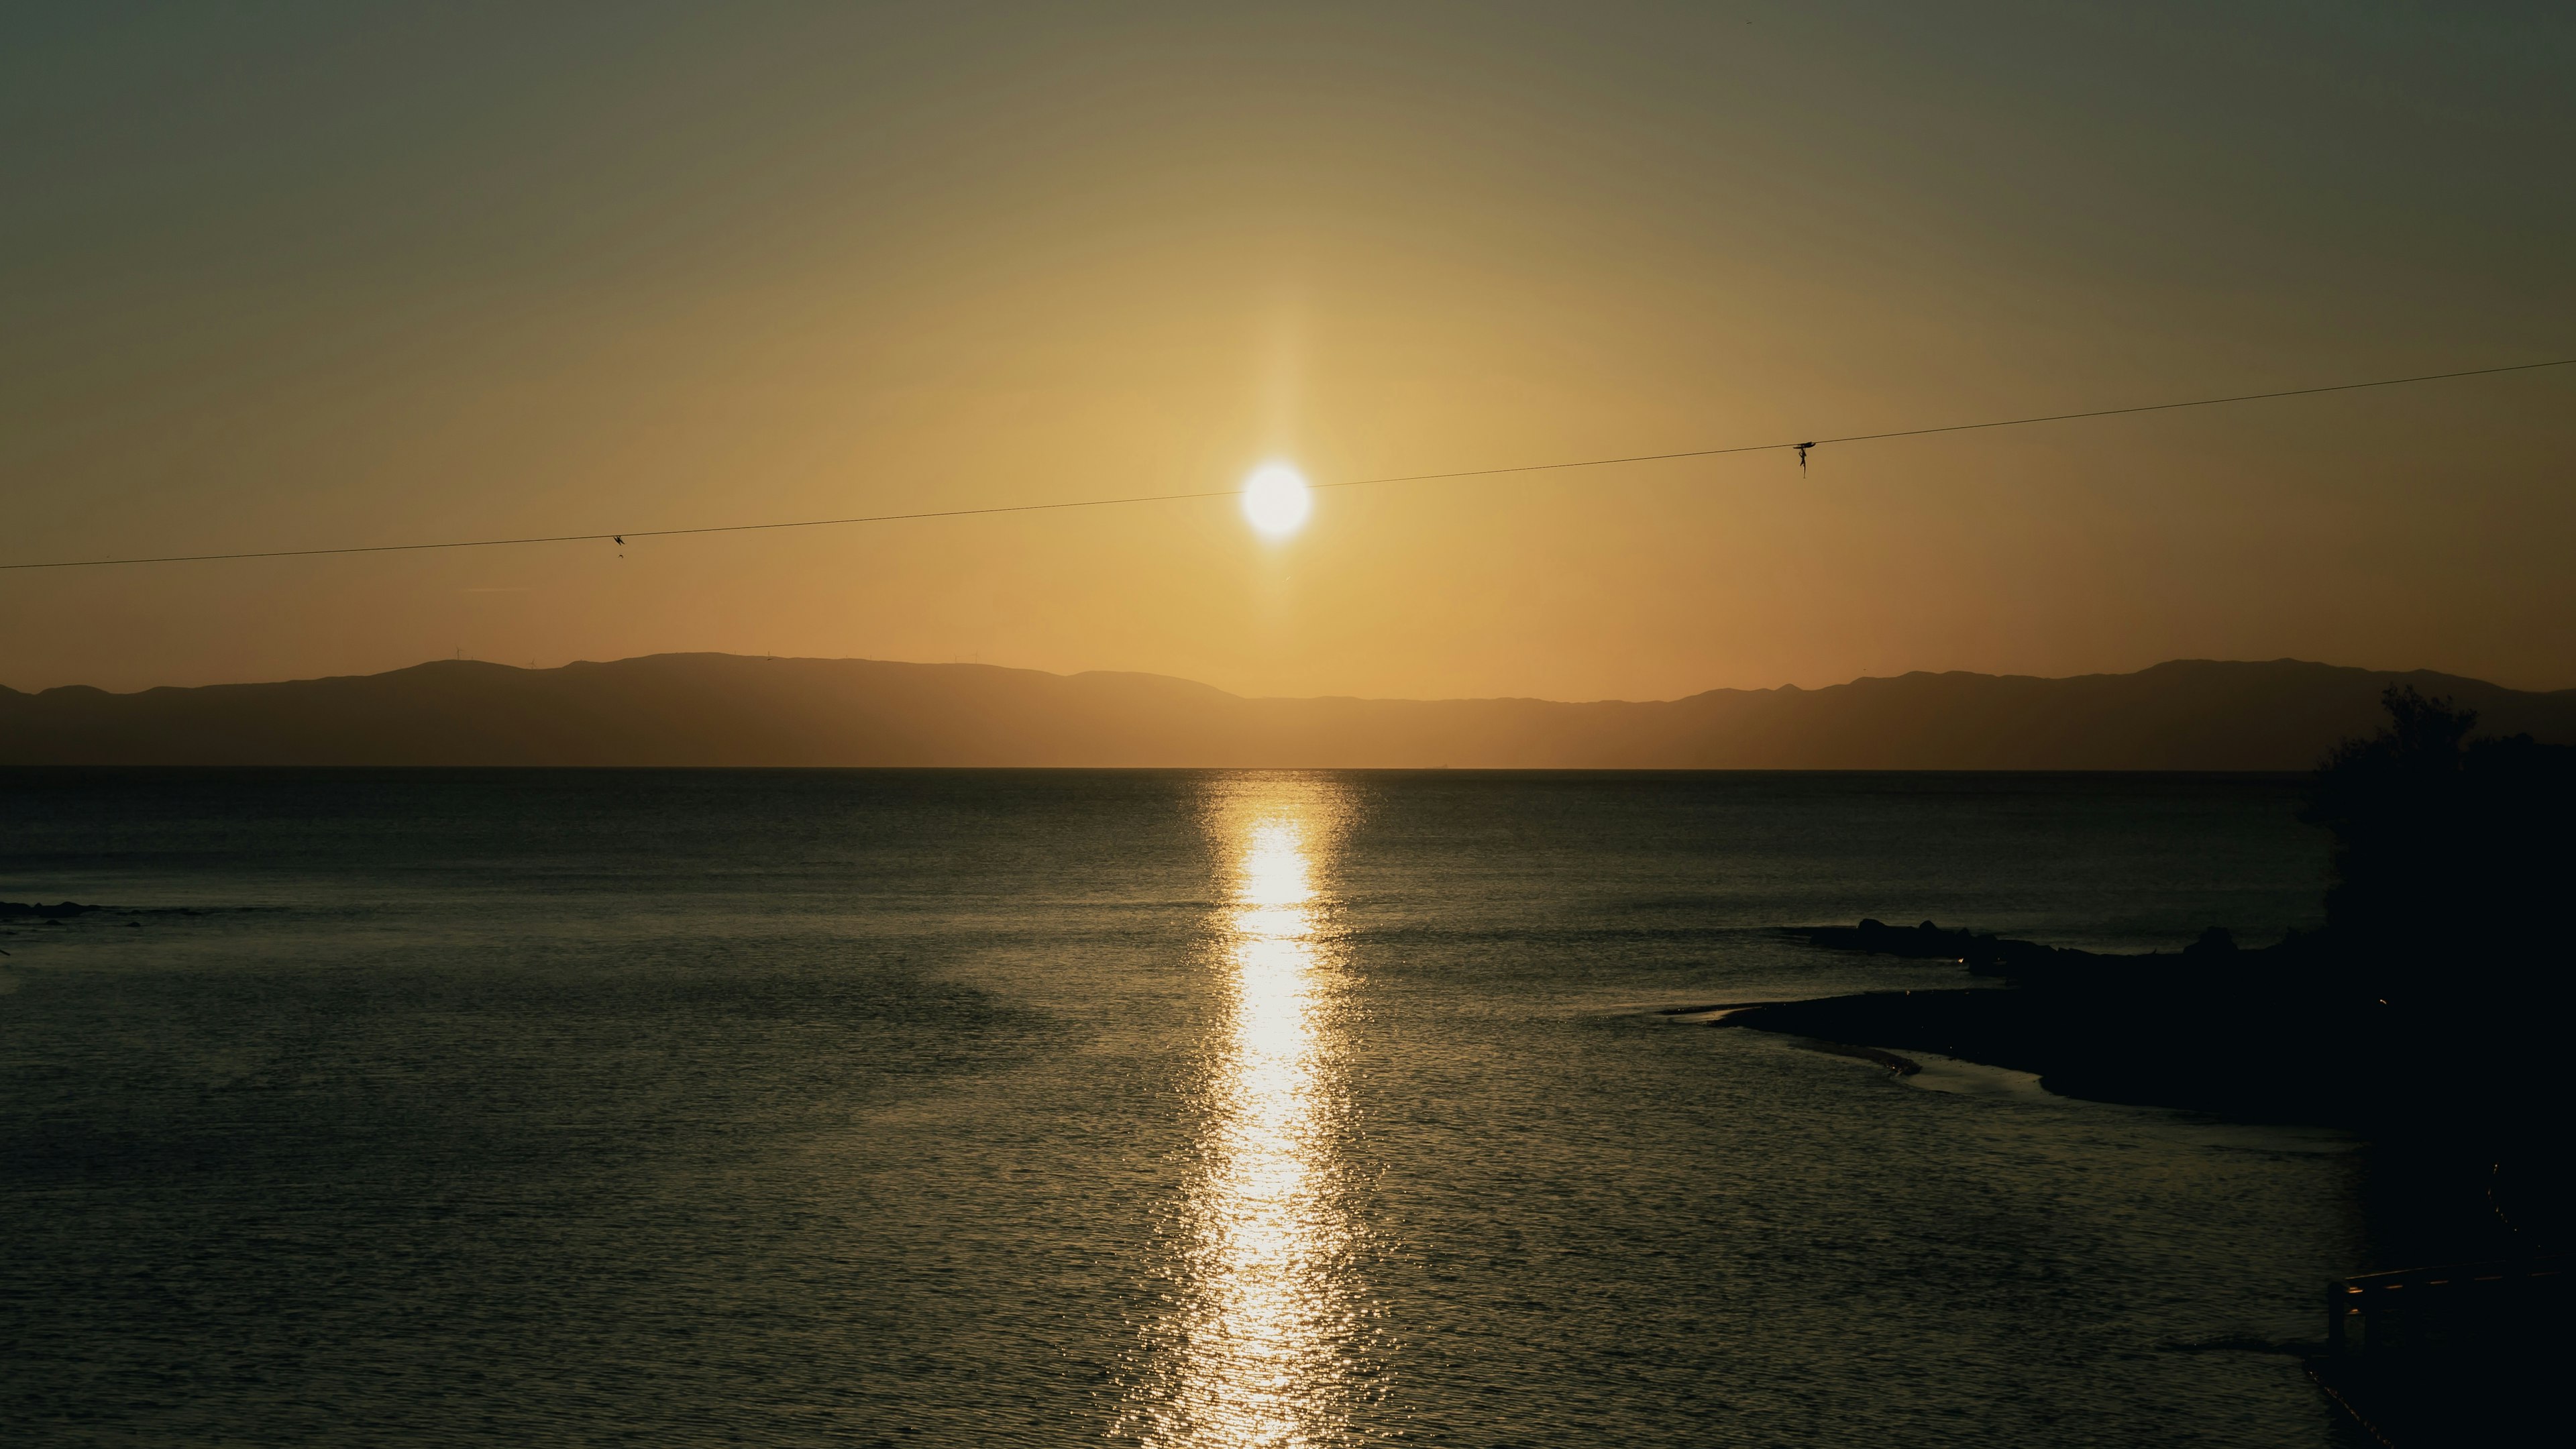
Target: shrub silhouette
x,y
2452,858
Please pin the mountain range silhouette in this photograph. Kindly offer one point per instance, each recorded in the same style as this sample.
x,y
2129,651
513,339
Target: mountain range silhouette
x,y
732,710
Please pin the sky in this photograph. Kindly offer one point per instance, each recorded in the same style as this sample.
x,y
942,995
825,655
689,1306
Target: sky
x,y
287,276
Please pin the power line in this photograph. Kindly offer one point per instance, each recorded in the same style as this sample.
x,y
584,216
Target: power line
x,y
2205,402
620,536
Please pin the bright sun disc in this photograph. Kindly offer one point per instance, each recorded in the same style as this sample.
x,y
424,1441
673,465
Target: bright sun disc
x,y
1275,499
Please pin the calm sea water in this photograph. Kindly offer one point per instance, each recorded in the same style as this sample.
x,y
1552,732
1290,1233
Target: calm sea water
x,y
969,1108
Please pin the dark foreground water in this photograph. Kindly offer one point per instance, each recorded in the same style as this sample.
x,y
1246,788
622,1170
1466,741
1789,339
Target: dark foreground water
x,y
792,1108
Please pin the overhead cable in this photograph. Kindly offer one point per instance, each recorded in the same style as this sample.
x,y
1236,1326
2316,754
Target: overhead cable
x,y
1801,448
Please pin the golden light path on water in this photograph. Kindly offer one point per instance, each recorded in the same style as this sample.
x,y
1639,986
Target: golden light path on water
x,y
1262,1355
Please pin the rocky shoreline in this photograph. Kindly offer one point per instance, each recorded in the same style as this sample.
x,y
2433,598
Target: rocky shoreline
x,y
2458,1107
2239,1033
2211,1030
37,911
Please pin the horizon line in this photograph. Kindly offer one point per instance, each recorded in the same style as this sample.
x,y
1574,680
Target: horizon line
x,y
1789,686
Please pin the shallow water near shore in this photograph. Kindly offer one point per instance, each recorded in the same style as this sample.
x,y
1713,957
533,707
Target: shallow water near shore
x,y
960,1108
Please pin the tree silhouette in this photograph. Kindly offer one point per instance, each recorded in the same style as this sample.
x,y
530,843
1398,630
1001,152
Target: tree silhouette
x,y
2452,859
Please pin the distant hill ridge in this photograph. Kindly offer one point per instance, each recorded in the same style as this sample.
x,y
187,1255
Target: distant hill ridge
x,y
723,709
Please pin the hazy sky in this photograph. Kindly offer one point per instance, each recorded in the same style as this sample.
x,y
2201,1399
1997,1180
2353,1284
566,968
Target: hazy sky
x,y
285,276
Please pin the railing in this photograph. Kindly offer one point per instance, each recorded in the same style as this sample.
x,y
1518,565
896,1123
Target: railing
x,y
2457,1307
2455,1354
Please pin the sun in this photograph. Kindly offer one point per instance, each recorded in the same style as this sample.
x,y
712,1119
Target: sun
x,y
1276,500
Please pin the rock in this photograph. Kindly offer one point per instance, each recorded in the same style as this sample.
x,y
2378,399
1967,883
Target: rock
x,y
22,910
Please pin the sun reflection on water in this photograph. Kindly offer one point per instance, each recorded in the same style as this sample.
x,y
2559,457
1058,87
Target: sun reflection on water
x,y
1262,1352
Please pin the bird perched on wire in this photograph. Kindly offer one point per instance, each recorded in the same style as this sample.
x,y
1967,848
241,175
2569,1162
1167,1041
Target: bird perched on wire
x,y
1802,457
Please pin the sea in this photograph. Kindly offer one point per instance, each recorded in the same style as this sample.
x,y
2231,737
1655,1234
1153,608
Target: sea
x,y
968,1108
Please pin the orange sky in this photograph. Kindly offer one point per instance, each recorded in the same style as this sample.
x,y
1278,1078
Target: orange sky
x,y
338,275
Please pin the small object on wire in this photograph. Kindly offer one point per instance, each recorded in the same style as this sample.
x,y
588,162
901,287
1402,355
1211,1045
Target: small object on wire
x,y
1802,457
621,540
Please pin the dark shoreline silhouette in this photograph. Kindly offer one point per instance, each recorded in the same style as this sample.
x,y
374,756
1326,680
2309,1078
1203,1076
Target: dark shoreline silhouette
x,y
38,911
2430,1005
2207,1028
726,710
2427,1015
